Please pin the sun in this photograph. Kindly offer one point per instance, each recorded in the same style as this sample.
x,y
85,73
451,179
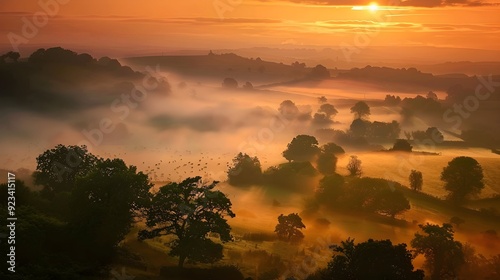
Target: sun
x,y
373,7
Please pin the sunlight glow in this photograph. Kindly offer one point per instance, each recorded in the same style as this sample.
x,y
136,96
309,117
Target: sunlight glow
x,y
374,7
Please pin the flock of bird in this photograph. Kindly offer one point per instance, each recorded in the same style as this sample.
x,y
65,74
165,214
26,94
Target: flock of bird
x,y
177,165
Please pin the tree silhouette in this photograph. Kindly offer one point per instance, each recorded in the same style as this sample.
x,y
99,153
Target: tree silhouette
x,y
289,227
330,188
326,163
328,109
432,95
372,195
416,180
332,148
402,145
319,72
229,83
14,56
321,119
444,255
354,166
383,131
434,134
373,259
360,110
390,202
301,148
245,171
288,109
359,127
290,176
58,168
103,205
189,210
463,177
322,99
248,86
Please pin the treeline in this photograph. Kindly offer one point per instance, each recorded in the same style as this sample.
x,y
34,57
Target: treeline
x,y
73,227
52,80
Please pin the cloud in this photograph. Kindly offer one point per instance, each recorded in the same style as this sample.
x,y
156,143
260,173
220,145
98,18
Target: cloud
x,y
195,20
411,3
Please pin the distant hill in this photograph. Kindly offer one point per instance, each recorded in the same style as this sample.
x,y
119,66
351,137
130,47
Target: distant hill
x,y
425,58
411,77
220,66
268,74
463,67
58,81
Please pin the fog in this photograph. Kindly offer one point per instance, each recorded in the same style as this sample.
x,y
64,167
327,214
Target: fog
x,y
187,127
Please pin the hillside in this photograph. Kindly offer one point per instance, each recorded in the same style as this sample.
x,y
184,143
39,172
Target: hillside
x,y
214,66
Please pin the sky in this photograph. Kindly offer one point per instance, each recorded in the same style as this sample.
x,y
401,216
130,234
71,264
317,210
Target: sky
x,y
127,27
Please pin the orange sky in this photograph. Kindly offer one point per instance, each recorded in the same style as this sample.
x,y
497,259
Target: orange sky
x,y
126,26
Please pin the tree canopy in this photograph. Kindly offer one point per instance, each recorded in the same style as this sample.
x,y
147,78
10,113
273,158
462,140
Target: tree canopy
x,y
416,180
354,166
443,254
328,109
373,259
58,168
103,205
326,163
332,148
290,176
229,83
189,210
301,148
289,227
327,160
402,145
360,110
245,171
288,109
463,177
319,72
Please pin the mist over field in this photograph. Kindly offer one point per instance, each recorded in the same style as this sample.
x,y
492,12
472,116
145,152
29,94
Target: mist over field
x,y
173,125
249,140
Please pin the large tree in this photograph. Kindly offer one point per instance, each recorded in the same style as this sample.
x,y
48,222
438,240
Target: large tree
x,y
463,178
189,210
104,204
58,168
444,255
289,227
245,171
360,110
373,259
390,202
302,148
